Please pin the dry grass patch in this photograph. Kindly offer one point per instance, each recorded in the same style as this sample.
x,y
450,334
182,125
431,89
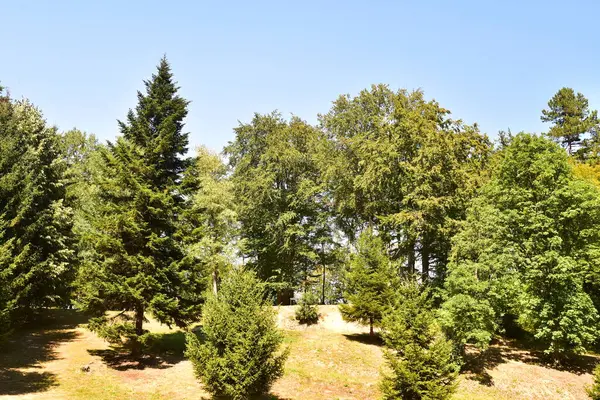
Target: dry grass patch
x,y
331,360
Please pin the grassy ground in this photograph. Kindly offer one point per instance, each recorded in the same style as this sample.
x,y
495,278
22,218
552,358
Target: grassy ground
x,y
332,360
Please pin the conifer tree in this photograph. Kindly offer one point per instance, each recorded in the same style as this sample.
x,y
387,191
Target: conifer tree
x,y
36,250
419,356
572,118
241,353
370,282
134,261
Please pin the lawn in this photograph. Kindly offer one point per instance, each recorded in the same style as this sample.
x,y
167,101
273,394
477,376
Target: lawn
x,y
332,360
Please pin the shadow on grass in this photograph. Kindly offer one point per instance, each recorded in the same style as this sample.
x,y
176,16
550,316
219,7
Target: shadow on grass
x,y
36,343
15,382
365,338
163,350
478,363
261,397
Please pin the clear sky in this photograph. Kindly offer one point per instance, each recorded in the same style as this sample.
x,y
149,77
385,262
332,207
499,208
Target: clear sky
x,y
492,62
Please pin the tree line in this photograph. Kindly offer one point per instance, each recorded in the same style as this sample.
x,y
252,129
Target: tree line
x,y
415,222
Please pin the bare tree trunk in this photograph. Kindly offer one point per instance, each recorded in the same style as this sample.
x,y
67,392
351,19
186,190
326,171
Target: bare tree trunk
x,y
371,331
323,265
411,258
215,279
425,262
139,330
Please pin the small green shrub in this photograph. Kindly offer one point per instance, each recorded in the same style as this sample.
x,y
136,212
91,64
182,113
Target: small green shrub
x,y
240,355
307,312
594,390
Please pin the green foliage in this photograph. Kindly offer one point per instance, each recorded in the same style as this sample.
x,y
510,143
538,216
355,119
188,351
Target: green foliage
x,y
594,390
419,357
396,162
133,260
241,354
210,225
284,217
571,118
307,311
528,249
370,281
36,240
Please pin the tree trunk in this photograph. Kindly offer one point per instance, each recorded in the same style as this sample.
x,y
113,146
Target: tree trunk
x,y
323,289
425,262
215,279
411,258
323,265
371,331
139,330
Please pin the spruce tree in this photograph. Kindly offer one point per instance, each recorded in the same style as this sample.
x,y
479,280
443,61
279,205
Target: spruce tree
x,y
370,282
36,250
240,355
419,357
134,261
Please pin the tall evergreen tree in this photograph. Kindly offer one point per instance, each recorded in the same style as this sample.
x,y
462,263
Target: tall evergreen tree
x,y
134,260
36,250
571,118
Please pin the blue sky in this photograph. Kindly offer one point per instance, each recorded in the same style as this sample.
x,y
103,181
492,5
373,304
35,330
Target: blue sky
x,y
495,63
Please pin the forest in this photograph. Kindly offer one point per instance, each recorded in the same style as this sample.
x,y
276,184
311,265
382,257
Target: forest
x,y
411,222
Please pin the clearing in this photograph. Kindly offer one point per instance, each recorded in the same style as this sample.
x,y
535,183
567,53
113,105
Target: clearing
x,y
331,360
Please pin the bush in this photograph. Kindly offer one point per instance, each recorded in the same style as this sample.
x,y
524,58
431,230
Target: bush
x,y
594,390
241,353
307,312
419,357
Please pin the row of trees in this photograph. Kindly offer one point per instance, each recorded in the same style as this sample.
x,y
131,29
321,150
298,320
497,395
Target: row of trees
x,y
388,204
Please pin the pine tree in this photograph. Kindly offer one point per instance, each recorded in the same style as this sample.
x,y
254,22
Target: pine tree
x,y
370,282
571,116
419,356
134,261
36,250
240,354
